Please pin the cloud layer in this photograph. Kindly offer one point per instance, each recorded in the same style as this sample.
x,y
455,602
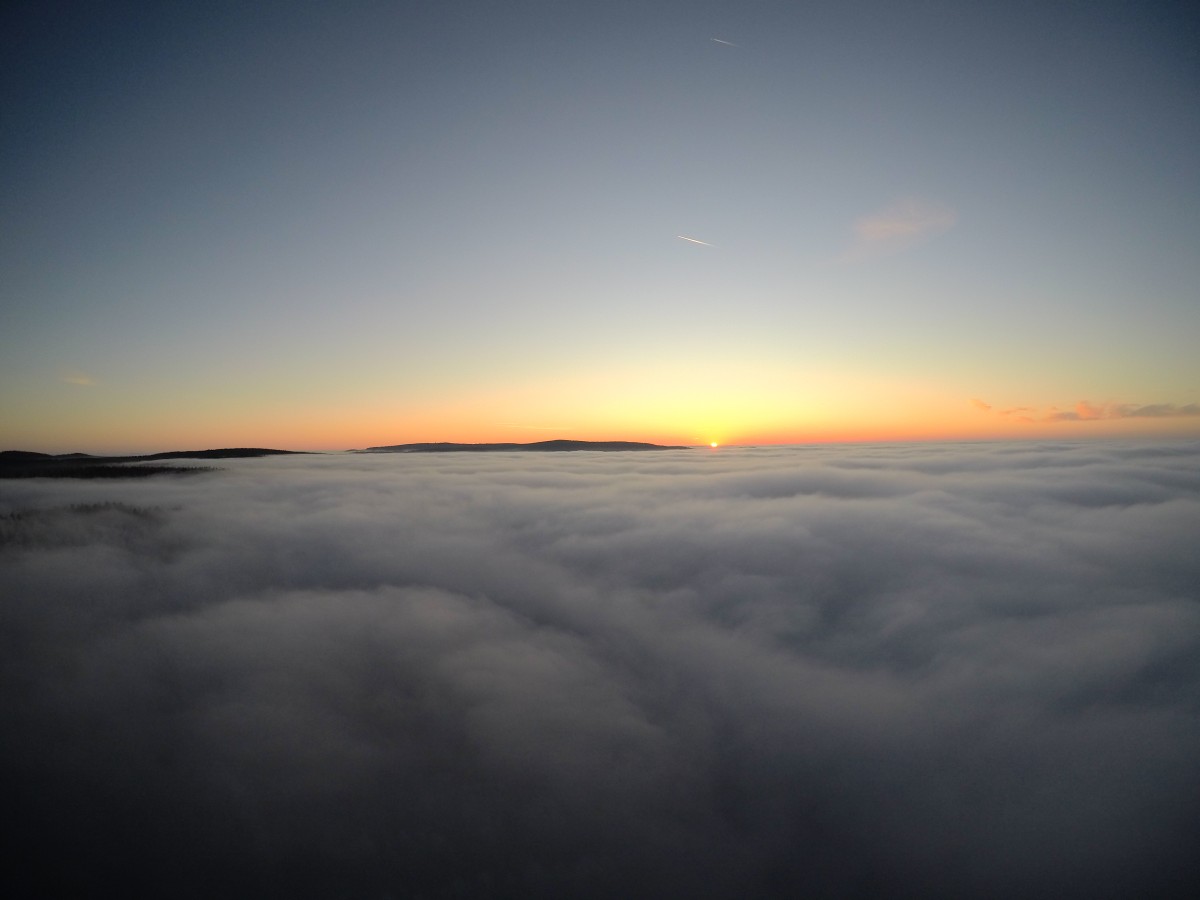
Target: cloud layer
x,y
908,670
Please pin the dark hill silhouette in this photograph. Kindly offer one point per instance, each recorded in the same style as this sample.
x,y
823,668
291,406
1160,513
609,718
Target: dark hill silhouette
x,y
536,446
225,453
30,464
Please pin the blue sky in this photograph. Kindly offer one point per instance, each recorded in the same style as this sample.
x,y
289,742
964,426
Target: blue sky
x,y
329,225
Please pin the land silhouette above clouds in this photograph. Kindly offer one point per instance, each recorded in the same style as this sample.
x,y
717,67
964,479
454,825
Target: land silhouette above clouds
x,y
30,464
537,447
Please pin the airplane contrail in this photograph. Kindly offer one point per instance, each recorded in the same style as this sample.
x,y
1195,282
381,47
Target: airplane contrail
x,y
684,237
726,43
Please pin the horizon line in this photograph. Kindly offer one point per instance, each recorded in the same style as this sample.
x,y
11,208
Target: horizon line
x,y
811,442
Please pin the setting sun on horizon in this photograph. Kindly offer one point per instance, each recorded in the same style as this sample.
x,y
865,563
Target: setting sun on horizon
x,y
750,403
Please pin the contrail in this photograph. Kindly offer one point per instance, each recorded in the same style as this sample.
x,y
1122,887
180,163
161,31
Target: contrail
x,y
726,43
684,237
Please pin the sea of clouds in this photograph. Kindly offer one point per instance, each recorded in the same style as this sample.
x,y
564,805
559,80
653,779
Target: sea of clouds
x,y
910,670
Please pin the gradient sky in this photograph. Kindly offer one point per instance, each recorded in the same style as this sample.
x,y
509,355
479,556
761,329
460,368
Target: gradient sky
x,y
322,226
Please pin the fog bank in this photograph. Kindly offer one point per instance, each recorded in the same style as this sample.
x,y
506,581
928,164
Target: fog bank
x,y
910,670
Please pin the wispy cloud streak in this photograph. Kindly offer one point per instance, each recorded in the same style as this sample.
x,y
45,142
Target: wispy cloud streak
x,y
1086,411
901,225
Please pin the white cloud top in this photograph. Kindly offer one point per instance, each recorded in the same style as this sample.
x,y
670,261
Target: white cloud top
x,y
970,671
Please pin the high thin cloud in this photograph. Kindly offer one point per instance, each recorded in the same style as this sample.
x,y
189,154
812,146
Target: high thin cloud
x,y
1085,411
77,378
899,670
904,224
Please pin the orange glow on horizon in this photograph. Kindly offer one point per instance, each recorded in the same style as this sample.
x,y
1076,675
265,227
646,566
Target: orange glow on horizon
x,y
322,431
673,403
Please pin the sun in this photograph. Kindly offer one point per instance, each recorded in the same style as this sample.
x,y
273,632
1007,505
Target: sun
x,y
714,445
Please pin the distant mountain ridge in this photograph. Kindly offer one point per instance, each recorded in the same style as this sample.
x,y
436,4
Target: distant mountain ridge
x,y
555,446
